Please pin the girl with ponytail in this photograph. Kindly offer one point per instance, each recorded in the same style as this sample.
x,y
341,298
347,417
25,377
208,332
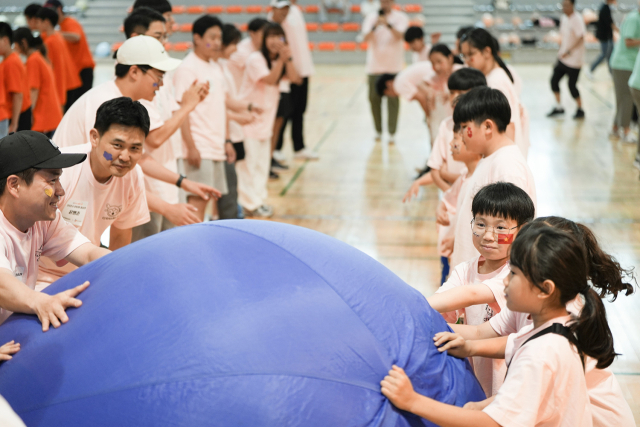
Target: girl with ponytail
x,y
546,381
480,51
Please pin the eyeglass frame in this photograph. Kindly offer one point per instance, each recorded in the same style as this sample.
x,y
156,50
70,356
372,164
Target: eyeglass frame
x,y
494,230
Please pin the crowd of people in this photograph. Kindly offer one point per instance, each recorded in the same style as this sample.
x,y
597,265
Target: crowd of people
x,y
166,141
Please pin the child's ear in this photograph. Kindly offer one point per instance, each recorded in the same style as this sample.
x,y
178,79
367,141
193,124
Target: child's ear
x,y
549,289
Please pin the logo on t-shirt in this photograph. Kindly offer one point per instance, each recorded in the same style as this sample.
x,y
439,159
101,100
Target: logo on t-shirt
x,y
112,212
39,253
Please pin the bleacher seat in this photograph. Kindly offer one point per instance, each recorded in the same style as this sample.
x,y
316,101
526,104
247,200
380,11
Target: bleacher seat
x,y
253,9
312,46
168,46
195,10
355,8
312,8
186,28
327,46
364,46
347,46
178,10
215,10
412,8
351,27
234,9
330,27
181,46
312,27
243,27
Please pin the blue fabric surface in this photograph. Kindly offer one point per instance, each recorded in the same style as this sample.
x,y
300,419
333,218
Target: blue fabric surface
x,y
232,323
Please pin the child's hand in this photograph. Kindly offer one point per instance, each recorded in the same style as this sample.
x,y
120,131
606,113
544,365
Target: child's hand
x,y
8,349
398,389
442,217
453,343
413,192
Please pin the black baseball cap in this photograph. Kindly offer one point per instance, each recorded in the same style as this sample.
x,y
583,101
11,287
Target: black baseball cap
x,y
29,149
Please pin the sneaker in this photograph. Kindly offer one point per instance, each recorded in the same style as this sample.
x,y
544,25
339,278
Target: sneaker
x,y
305,154
277,166
614,133
279,156
629,139
264,211
590,75
273,175
636,164
392,139
579,114
556,112
378,137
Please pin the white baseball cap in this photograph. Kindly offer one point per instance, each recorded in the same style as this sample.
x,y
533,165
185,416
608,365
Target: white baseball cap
x,y
145,50
279,4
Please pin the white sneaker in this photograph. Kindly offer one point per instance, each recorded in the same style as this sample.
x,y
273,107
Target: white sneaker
x,y
264,211
279,156
590,75
305,154
392,139
629,139
378,137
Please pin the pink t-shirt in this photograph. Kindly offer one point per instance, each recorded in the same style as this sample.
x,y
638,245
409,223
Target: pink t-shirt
x,y
385,53
92,207
209,119
423,55
490,372
507,164
498,79
572,29
295,28
450,200
441,150
235,128
545,385
257,92
238,60
20,252
407,81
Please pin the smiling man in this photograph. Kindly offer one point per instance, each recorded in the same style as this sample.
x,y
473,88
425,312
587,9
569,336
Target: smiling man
x,y
107,189
31,226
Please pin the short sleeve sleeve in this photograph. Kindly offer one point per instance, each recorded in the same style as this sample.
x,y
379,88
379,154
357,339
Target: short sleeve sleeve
x,y
137,209
368,23
4,254
12,78
33,75
504,323
256,68
403,22
436,158
61,239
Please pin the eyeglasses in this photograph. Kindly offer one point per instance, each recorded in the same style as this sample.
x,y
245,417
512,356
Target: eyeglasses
x,y
503,234
159,78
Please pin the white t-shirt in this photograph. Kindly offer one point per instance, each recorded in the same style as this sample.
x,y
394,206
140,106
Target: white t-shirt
x,y
238,60
209,119
423,55
407,81
385,52
295,28
545,386
507,164
20,252
92,207
572,29
441,150
490,372
235,128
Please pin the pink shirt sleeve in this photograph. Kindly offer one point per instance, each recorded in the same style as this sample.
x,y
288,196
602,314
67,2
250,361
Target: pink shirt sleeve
x,y
369,22
61,238
257,68
154,115
504,323
438,153
137,211
183,78
4,254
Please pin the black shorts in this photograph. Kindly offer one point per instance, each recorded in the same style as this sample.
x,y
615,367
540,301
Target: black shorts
x,y
285,107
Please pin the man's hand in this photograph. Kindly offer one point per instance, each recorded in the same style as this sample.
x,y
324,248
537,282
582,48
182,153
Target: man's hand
x,y
193,157
453,343
244,118
442,217
182,214
194,95
230,152
8,349
257,109
398,389
203,191
50,309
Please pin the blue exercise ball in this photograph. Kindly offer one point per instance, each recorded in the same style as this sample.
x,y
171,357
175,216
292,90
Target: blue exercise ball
x,y
231,323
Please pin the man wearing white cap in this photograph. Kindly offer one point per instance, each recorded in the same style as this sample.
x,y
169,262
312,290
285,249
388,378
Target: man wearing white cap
x,y
141,64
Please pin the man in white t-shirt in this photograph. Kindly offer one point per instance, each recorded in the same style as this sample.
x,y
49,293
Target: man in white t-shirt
x,y
570,57
107,189
384,33
32,226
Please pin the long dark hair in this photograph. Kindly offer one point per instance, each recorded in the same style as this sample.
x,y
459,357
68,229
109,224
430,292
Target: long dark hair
x,y
442,49
24,33
543,252
479,38
272,29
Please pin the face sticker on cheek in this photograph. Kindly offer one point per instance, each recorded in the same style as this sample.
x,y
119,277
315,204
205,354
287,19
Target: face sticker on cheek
x,y
505,239
48,191
469,132
107,156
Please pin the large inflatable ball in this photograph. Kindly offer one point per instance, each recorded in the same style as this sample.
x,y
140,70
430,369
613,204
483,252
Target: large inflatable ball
x,y
232,323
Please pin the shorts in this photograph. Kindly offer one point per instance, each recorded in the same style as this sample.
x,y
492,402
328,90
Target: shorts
x,y
211,172
285,106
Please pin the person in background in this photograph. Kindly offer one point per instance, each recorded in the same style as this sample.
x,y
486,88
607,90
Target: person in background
x,y
384,33
414,36
17,99
369,6
30,12
246,47
604,33
342,6
161,6
147,21
46,109
76,41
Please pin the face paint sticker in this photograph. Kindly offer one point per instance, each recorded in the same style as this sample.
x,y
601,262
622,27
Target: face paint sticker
x,y
107,156
505,239
48,191
469,133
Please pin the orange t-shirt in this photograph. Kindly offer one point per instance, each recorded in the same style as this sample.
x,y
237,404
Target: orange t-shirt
x,y
64,70
79,51
15,81
47,112
4,114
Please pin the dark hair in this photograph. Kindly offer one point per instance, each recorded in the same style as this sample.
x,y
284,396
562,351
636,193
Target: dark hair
x,y
140,19
257,24
270,30
456,128
25,175
542,253
483,103
462,31
605,272
230,34
160,6
54,3
122,111
6,31
573,2
479,38
466,79
413,33
505,200
202,24
442,49
24,33
48,14
32,10
122,70
381,83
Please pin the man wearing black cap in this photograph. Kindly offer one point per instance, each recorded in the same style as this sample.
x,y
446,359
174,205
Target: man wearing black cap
x,y
31,226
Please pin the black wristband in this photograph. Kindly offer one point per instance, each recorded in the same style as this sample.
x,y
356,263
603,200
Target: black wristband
x,y
179,183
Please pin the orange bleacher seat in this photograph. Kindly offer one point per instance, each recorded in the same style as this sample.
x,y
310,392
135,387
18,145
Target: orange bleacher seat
x,y
355,8
412,8
243,27
312,27
215,9
175,28
351,27
312,46
182,46
168,47
312,8
397,7
416,23
116,46
330,27
327,46
129,9
186,28
253,9
268,9
234,9
195,10
347,46
364,46
178,10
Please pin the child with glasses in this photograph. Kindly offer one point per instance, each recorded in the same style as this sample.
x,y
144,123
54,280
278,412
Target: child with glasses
x,y
476,287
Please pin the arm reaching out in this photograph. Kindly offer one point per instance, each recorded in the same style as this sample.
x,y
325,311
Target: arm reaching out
x,y
461,297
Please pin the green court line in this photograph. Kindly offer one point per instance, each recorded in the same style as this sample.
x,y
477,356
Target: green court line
x,y
599,97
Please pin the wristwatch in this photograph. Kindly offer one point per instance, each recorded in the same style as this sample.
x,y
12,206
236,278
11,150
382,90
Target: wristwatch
x,y
179,183
250,107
